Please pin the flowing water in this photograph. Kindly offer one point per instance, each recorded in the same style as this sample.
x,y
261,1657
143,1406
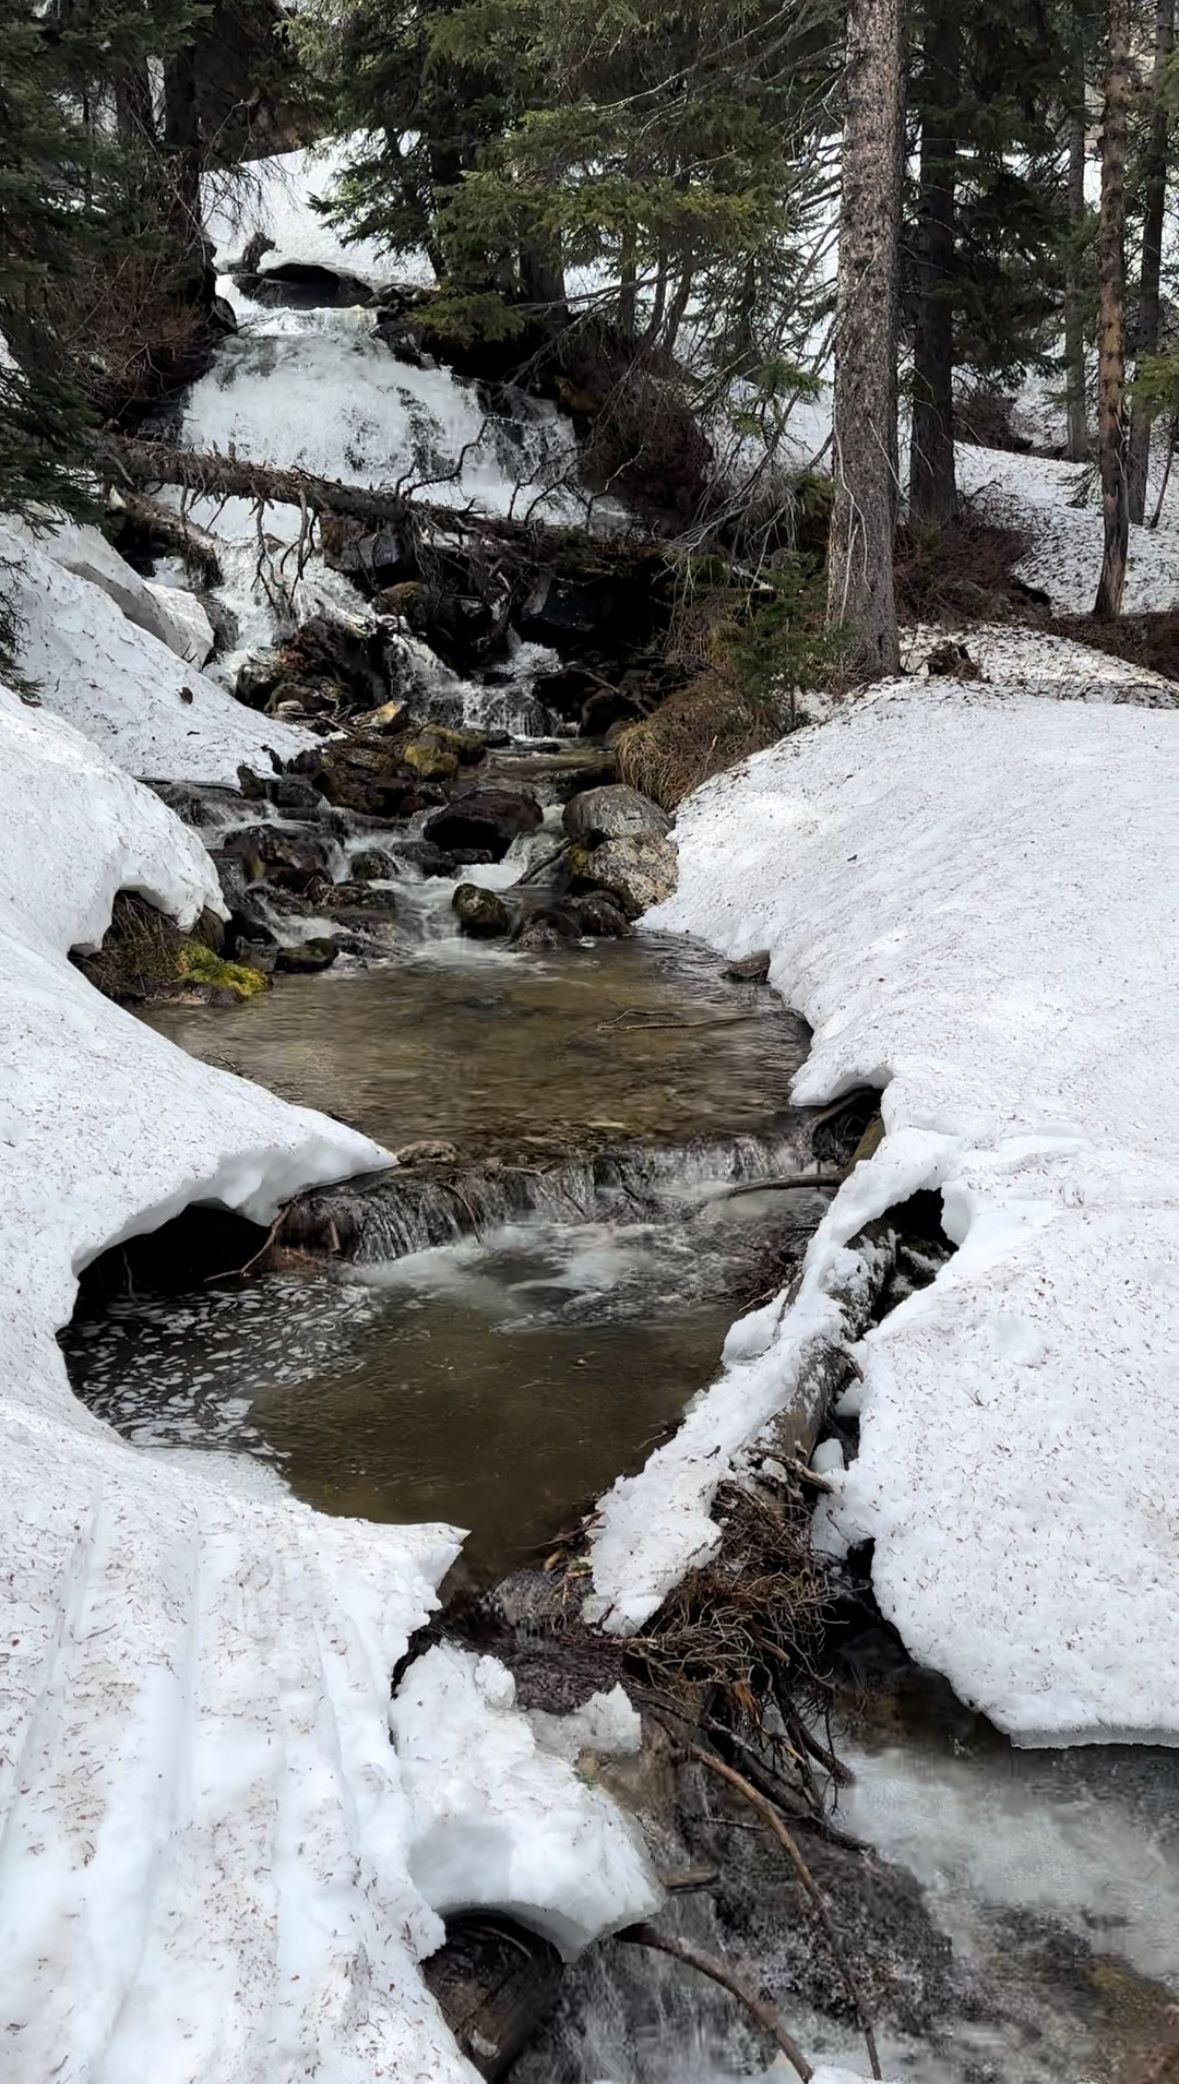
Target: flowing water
x,y
502,1381
497,1353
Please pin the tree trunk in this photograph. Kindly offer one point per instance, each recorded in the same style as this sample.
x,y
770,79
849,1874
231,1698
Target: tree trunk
x,y
182,144
1149,304
860,595
1074,308
933,493
134,114
1111,331
542,278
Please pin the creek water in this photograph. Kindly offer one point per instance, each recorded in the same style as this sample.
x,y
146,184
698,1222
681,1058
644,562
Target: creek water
x,y
501,1379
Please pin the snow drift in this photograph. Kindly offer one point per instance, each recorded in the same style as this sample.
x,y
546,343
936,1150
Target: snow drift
x,y
122,685
208,1864
973,898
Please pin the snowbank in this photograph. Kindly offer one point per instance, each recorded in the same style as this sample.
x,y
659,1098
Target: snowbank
x,y
206,1873
1036,493
973,898
475,1771
274,197
120,685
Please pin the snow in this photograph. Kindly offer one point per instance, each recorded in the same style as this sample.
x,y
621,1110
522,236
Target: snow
x,y
606,1724
1035,493
274,197
1038,663
501,1822
119,684
971,894
207,1869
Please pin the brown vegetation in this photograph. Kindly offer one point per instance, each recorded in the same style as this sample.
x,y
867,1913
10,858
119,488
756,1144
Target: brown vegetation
x,y
696,733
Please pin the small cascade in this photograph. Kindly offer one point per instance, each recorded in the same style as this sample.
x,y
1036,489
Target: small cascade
x,y
400,1212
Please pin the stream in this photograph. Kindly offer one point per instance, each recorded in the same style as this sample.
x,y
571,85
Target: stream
x,y
524,1309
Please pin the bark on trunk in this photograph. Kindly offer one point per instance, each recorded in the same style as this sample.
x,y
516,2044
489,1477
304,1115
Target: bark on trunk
x,y
1146,338
1111,337
933,493
1074,310
182,143
861,596
134,113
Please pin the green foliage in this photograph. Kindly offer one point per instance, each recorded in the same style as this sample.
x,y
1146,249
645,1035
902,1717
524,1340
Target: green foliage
x,y
781,643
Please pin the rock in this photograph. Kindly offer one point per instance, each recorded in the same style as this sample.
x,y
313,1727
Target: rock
x,y
355,897
305,957
387,718
749,969
423,855
292,792
606,707
598,917
565,692
257,676
428,758
427,1152
568,610
251,785
189,632
481,913
539,934
484,818
373,865
617,812
376,558
638,872
257,954
290,859
305,697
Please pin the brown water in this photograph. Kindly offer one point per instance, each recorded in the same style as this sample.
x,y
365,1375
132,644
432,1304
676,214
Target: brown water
x,y
641,1038
501,1382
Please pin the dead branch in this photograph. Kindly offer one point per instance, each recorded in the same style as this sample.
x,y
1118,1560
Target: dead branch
x,y
766,1809
767,2015
173,533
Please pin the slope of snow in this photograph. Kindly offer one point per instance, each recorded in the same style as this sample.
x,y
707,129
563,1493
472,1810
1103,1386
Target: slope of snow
x,y
206,1863
974,898
1064,556
121,686
1035,662
274,196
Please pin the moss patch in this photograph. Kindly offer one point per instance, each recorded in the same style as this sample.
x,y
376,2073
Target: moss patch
x,y
200,965
145,956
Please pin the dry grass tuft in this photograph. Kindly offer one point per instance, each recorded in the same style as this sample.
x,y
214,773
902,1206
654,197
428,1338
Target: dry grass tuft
x,y
696,733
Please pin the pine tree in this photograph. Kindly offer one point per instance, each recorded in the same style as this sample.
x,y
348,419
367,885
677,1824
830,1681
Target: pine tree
x,y
861,596
1111,336
1149,316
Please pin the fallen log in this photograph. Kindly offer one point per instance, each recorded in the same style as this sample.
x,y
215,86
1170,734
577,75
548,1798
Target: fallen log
x,y
130,462
171,532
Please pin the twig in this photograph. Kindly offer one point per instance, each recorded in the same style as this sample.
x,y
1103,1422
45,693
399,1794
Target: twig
x,y
766,2014
766,1809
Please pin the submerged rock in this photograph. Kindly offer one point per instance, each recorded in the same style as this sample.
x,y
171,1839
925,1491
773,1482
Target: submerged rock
x,y
749,969
598,917
307,957
614,812
481,913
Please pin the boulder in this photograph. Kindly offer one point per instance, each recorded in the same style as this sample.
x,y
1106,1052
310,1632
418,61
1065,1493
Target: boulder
x,y
372,865
481,913
292,860
303,958
257,677
427,757
637,872
487,819
598,917
616,812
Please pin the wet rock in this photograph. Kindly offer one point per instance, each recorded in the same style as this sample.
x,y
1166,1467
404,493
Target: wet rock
x,y
256,953
292,860
429,859
306,957
429,758
598,917
427,1152
353,897
292,792
606,707
372,865
291,697
485,818
387,718
566,691
257,677
749,969
637,872
481,913
616,812
543,932
567,609
375,558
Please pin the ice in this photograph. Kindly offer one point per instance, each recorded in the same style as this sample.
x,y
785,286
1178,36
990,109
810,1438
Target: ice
x,y
971,893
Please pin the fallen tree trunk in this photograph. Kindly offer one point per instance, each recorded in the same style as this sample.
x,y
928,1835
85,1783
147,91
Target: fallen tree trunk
x,y
208,472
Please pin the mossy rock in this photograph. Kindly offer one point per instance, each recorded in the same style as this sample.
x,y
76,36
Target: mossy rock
x,y
199,965
144,956
429,759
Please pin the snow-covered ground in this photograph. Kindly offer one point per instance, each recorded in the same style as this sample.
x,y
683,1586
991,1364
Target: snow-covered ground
x,y
125,688
972,895
216,1867
274,197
